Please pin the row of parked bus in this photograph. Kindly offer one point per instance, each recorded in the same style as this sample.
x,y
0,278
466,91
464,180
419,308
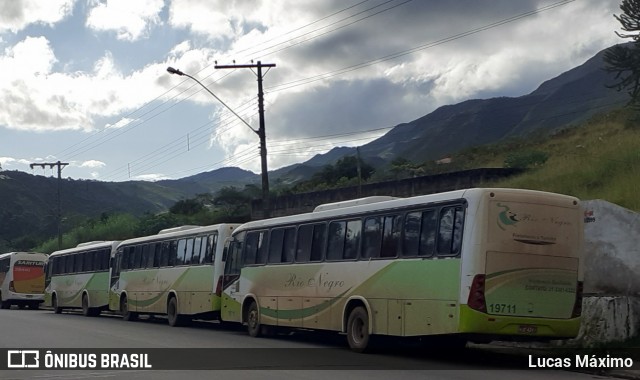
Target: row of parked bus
x,y
476,264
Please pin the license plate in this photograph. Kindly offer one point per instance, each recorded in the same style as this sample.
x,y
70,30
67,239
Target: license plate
x,y
527,329
29,296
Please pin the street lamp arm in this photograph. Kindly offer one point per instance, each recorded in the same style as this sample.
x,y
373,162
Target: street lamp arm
x,y
178,72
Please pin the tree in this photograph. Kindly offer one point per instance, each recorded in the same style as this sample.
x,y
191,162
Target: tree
x,y
624,60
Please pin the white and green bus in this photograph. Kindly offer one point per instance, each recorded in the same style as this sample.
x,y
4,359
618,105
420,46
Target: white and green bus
x,y
177,272
78,278
474,265
22,279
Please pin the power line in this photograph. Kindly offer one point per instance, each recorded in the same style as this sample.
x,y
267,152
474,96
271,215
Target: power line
x,y
344,70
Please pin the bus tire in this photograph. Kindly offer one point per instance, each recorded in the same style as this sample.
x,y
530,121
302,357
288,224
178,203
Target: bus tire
x,y
253,320
124,310
173,317
358,329
4,304
21,306
54,303
86,310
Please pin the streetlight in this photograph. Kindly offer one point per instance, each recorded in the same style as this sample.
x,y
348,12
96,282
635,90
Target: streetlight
x,y
260,133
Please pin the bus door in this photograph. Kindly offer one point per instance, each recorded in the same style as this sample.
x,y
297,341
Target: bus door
x,y
231,297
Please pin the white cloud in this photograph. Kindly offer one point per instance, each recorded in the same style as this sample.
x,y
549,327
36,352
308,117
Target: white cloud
x,y
37,98
150,177
92,164
131,20
16,15
7,162
125,121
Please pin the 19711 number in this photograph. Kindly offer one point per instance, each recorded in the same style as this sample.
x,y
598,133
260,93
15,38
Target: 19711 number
x,y
502,308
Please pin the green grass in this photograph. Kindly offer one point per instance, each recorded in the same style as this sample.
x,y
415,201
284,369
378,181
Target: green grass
x,y
597,160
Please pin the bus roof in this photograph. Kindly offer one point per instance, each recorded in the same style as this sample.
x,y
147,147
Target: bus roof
x,y
8,254
87,247
363,205
194,230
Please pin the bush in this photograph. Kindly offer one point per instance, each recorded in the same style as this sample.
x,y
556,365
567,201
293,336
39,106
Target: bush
x,y
525,160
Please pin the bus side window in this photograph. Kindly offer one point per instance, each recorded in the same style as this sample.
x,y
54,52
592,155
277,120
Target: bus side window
x,y
428,233
232,264
69,264
197,246
337,233
188,253
60,264
78,262
87,264
261,256
251,248
391,236
208,257
144,256
137,257
105,257
288,246
255,248
180,253
275,246
4,265
173,252
352,239
319,243
151,255
372,238
303,248
450,231
165,252
411,234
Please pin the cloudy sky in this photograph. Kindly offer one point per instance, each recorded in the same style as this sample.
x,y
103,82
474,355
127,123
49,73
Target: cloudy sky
x,y
85,81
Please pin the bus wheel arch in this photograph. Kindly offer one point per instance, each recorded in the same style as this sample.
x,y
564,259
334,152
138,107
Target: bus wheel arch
x,y
357,324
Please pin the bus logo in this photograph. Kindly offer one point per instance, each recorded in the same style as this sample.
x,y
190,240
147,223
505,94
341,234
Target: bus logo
x,y
506,217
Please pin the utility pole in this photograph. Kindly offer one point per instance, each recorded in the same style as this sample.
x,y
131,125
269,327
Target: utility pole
x,y
60,166
261,132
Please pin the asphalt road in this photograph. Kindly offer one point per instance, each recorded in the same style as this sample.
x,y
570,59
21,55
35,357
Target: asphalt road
x,y
206,349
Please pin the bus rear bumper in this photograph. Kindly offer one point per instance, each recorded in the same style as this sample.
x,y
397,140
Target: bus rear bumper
x,y
517,328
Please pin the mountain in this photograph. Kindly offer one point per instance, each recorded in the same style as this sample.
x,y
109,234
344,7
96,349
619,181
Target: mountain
x,y
568,99
30,202
210,181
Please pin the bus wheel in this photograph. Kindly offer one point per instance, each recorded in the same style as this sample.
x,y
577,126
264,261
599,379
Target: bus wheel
x,y
21,306
174,318
124,310
253,320
86,310
4,304
54,303
358,329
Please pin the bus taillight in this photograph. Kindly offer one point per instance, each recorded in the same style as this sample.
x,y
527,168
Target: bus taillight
x,y
577,307
11,287
476,299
